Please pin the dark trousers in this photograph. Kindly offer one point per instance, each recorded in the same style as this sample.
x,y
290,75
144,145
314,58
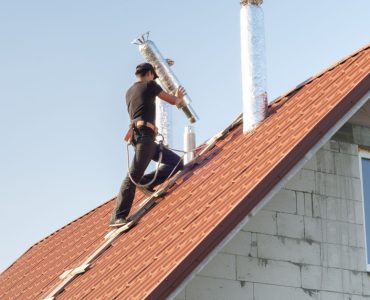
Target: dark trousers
x,y
146,149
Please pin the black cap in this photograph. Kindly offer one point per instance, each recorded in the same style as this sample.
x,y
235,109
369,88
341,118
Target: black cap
x,y
144,67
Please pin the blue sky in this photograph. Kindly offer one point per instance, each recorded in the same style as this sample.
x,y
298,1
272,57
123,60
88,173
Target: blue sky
x,y
65,66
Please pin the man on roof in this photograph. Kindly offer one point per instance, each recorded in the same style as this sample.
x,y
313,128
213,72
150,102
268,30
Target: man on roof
x,y
140,100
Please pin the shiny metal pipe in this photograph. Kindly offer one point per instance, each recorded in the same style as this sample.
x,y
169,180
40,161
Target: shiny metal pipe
x,y
167,77
253,60
189,143
163,119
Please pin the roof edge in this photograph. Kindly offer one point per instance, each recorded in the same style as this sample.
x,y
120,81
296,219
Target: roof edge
x,y
54,232
320,73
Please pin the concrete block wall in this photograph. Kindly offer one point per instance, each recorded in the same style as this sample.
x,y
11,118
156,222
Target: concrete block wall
x,y
306,243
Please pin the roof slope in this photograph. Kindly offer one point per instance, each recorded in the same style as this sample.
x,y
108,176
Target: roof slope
x,y
155,256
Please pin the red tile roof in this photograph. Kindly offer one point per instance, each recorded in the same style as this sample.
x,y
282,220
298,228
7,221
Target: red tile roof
x,y
155,256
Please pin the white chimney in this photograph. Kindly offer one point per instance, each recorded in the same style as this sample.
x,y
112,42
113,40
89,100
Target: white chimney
x,y
189,143
253,60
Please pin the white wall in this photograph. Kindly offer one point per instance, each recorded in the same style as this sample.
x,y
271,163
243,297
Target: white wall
x,y
307,243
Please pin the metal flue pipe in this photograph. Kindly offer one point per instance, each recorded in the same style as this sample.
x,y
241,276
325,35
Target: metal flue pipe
x,y
253,60
167,77
163,119
189,144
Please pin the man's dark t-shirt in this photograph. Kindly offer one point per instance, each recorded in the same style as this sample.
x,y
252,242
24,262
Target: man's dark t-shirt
x,y
140,99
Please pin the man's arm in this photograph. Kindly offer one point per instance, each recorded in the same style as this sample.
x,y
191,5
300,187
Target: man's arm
x,y
174,100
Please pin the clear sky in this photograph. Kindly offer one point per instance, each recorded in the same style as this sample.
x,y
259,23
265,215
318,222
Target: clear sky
x,y
65,66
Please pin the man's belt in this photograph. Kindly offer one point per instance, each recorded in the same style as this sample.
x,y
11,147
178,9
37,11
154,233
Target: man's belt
x,y
145,123
137,124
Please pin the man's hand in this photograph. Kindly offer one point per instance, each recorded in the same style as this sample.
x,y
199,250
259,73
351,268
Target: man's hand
x,y
180,102
180,92
176,99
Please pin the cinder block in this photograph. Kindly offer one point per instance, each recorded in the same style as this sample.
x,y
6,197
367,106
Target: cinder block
x,y
288,249
355,297
272,292
361,135
366,283
345,257
352,229
313,229
360,233
343,210
348,148
335,232
300,203
347,165
218,289
326,184
263,222
284,201
319,206
336,258
344,134
311,277
303,181
325,161
221,266
324,295
357,259
351,210
350,258
352,282
268,271
311,164
290,225
241,244
357,194
254,247
332,145
345,234
332,279
338,186
308,205
336,209
359,213
324,255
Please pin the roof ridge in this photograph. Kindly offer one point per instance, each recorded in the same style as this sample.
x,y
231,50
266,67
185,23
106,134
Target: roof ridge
x,y
319,74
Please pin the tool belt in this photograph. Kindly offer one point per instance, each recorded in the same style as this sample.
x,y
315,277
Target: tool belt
x,y
138,123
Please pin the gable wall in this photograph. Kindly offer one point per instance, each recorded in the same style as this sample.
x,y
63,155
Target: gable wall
x,y
307,243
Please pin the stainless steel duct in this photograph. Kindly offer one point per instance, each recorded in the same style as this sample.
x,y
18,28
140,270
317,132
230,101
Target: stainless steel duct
x,y
167,77
163,118
253,60
189,143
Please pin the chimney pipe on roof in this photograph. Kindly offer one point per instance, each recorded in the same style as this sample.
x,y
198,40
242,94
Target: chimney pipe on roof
x,y
189,143
163,118
253,60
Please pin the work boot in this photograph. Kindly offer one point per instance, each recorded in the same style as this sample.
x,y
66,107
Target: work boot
x,y
118,222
